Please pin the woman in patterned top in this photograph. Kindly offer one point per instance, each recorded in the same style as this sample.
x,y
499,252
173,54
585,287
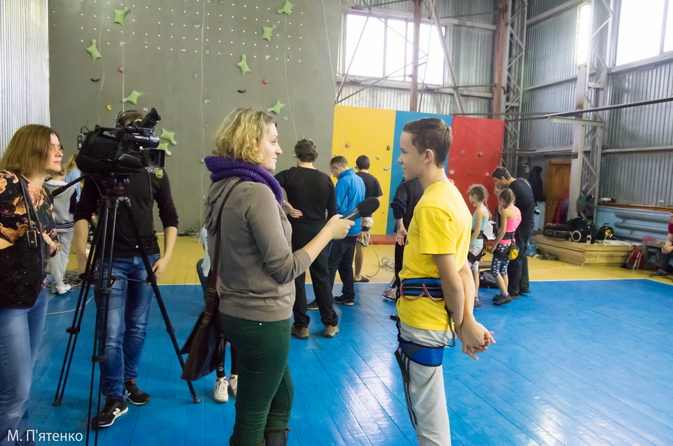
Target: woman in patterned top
x,y
27,239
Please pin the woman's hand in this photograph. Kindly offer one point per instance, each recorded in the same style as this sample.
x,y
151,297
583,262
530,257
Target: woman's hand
x,y
52,246
338,227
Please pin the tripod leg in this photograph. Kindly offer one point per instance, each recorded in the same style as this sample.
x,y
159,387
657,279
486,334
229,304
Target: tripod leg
x,y
151,278
80,306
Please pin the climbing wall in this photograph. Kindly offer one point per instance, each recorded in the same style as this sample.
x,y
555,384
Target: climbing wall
x,y
194,60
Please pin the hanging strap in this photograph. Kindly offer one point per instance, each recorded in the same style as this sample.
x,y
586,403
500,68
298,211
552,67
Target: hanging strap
x,y
212,274
33,235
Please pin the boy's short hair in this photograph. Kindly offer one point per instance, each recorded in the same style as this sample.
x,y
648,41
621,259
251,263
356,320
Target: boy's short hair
x,y
433,134
363,162
339,161
501,172
305,151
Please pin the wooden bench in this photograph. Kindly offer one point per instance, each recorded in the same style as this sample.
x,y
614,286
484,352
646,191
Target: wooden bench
x,y
608,253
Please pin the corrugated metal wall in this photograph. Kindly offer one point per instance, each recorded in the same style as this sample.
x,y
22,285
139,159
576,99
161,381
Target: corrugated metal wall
x,y
643,177
540,133
24,66
550,58
550,55
647,126
472,56
398,99
537,7
480,11
638,178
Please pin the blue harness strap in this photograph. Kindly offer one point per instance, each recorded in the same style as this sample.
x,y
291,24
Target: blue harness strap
x,y
427,356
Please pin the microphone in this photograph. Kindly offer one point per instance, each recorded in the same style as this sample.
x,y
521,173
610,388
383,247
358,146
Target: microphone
x,y
365,207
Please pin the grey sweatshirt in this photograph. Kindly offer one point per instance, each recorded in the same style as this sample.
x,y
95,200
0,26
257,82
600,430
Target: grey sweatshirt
x,y
64,219
257,267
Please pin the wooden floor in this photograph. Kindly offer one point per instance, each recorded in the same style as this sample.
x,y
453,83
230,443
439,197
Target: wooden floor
x,y
579,361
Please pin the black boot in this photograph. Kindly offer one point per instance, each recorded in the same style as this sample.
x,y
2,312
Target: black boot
x,y
276,437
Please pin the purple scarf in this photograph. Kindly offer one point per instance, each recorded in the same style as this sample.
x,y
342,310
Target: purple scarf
x,y
222,167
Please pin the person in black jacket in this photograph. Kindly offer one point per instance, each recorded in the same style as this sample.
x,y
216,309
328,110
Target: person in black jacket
x,y
518,268
129,301
406,197
372,190
310,203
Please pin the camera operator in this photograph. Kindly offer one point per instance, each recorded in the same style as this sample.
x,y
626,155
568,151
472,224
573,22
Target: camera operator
x,y
130,297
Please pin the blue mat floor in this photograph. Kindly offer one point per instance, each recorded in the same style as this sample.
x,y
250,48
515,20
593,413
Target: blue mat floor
x,y
576,362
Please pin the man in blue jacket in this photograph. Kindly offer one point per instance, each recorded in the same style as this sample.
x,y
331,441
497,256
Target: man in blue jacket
x,y
349,191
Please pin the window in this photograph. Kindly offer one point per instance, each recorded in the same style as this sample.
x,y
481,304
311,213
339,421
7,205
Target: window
x,y
644,30
382,48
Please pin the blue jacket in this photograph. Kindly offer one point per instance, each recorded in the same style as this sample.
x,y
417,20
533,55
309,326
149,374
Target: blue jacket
x,y
349,191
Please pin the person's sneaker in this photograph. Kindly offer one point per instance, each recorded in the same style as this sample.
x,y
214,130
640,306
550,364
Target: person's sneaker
x,y
501,299
221,391
362,279
514,296
300,332
331,331
659,273
390,294
524,292
477,302
342,301
312,306
233,385
113,409
61,288
134,395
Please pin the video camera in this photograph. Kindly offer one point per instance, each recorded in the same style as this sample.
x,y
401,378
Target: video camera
x,y
124,149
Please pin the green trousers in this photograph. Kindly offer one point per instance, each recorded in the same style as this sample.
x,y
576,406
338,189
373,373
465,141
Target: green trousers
x,y
265,389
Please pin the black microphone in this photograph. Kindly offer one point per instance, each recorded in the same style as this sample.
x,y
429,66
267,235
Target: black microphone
x,y
366,207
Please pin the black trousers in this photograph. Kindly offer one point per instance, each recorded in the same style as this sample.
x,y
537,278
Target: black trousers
x,y
320,276
399,256
517,269
341,259
663,264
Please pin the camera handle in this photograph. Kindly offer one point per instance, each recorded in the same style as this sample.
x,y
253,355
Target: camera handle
x,y
109,206
60,190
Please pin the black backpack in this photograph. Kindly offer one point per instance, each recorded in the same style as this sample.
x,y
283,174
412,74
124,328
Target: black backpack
x,y
487,280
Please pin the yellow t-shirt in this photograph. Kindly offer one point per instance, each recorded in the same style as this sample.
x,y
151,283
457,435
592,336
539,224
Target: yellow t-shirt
x,y
441,225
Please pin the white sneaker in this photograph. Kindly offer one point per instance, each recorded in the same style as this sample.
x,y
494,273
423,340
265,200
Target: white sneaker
x,y
61,289
233,385
220,394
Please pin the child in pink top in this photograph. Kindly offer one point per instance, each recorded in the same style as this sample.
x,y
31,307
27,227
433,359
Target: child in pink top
x,y
510,218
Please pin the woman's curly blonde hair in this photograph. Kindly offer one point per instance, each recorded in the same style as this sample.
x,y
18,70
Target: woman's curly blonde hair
x,y
240,134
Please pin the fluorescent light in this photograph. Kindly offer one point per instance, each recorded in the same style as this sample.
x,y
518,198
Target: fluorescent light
x,y
583,37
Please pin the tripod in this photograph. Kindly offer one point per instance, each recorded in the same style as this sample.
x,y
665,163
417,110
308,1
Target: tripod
x,y
101,258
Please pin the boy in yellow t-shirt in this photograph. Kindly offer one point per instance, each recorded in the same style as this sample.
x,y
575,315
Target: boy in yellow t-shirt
x,y
437,290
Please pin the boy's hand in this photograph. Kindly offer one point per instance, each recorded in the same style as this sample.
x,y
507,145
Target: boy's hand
x,y
475,338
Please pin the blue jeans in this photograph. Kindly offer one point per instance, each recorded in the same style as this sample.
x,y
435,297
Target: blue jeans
x,y
127,315
20,336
